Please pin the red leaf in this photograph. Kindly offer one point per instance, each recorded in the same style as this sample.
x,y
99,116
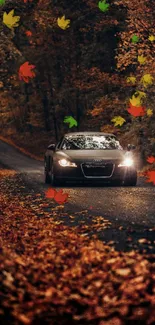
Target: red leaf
x,y
25,72
61,197
151,160
50,194
136,111
28,33
151,177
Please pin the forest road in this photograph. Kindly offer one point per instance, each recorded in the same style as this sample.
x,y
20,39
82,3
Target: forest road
x,y
129,206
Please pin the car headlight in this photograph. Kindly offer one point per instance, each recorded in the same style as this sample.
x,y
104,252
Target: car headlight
x,y
66,163
128,162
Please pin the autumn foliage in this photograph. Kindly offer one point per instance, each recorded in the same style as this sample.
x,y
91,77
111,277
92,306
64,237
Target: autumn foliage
x,y
86,62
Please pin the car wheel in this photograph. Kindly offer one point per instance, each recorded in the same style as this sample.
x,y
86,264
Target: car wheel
x,y
131,182
54,180
47,176
118,183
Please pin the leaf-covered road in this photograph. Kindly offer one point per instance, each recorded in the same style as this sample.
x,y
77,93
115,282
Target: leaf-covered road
x,y
53,268
54,273
131,211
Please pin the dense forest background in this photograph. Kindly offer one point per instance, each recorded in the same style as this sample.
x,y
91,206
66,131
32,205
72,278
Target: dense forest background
x,y
82,71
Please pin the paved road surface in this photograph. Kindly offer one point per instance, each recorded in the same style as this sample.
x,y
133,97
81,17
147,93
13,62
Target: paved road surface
x,y
123,205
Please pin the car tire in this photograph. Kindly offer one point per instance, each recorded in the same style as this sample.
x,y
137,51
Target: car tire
x,y
55,181
47,176
118,183
131,182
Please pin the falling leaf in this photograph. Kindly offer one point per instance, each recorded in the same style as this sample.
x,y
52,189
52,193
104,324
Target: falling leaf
x,y
72,122
151,160
50,193
136,111
10,20
135,39
136,99
149,112
61,197
151,176
140,94
151,38
28,33
147,80
118,120
25,72
103,6
131,79
141,59
63,23
2,2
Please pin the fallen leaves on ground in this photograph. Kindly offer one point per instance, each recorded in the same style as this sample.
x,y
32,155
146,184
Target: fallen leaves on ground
x,y
53,274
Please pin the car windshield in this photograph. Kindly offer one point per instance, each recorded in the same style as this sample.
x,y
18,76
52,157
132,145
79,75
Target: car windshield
x,y
90,142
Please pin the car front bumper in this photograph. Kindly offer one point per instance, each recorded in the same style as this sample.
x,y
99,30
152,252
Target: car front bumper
x,y
80,174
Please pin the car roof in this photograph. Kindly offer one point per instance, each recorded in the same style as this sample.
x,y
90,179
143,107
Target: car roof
x,y
88,133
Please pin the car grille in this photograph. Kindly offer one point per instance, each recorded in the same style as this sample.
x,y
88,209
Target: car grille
x,y
97,170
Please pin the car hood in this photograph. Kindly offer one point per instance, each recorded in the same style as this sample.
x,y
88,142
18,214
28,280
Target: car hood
x,y
86,155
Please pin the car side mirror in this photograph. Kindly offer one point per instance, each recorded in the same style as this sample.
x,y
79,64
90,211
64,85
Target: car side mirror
x,y
51,147
131,147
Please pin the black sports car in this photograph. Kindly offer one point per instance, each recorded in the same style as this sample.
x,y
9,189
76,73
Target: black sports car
x,y
90,156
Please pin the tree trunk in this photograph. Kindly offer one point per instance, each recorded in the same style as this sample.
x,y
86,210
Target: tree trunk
x,y
53,108
46,112
45,103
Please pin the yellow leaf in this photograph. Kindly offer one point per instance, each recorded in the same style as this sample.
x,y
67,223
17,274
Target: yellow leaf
x,y
131,79
141,59
10,20
147,80
118,120
151,38
63,23
140,94
149,112
136,99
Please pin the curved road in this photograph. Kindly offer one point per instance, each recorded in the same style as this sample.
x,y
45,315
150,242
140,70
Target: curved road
x,y
126,205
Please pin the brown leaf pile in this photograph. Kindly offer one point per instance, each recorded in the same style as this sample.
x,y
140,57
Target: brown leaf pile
x,y
51,274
